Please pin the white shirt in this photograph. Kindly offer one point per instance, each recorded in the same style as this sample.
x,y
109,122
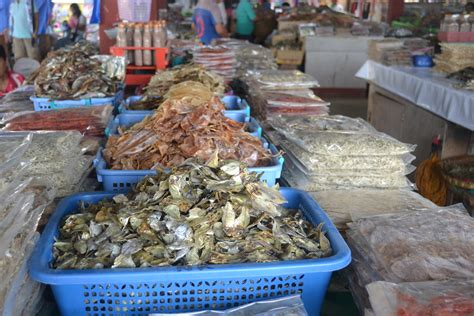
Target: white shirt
x,y
223,12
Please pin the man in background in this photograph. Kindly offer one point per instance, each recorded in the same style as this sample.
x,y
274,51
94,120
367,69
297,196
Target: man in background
x,y
23,27
245,16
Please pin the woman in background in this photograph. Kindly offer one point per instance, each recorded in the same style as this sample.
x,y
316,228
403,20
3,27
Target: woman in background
x,y
77,23
9,81
245,16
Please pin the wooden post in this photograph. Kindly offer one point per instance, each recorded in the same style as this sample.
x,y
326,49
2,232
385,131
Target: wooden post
x,y
395,10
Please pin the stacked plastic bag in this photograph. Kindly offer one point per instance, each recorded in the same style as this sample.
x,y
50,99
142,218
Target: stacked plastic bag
x,y
218,59
24,200
345,206
289,92
17,101
421,246
338,152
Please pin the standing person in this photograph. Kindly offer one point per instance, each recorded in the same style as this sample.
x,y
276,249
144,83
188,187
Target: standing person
x,y
9,81
207,21
336,6
23,29
245,16
77,22
222,10
4,13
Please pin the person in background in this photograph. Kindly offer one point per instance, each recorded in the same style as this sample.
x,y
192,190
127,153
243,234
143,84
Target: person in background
x,y
245,16
221,5
4,12
77,23
207,21
336,6
45,8
9,81
23,26
267,6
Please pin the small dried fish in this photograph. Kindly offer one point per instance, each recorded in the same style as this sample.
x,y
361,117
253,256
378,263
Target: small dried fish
x,y
210,213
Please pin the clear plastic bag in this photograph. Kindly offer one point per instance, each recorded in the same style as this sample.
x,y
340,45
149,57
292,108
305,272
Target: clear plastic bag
x,y
349,205
433,244
454,298
285,79
289,305
90,121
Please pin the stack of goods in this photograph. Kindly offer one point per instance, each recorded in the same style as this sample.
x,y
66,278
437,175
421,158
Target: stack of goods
x,y
17,101
283,92
251,57
24,200
454,298
151,34
218,59
464,78
389,52
72,74
345,206
366,28
89,121
454,57
420,246
337,152
215,213
181,129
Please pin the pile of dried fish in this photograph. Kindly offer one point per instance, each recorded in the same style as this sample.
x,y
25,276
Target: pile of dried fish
x,y
215,213
72,74
181,129
162,81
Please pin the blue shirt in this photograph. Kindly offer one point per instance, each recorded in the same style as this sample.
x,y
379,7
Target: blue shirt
x,y
205,24
4,12
44,8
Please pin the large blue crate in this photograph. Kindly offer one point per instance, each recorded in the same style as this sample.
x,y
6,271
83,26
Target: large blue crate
x,y
232,104
46,104
128,119
124,180
142,291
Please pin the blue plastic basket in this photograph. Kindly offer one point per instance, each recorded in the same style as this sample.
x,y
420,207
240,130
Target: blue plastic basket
x,y
46,104
142,291
128,119
124,180
423,61
232,104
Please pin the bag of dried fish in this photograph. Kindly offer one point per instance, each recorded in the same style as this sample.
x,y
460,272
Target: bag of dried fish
x,y
160,83
181,129
89,121
72,74
214,213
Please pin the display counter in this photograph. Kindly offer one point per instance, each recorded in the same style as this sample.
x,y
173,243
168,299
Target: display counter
x,y
334,60
415,105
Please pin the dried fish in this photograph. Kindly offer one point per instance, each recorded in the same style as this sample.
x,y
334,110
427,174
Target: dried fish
x,y
72,74
184,218
181,129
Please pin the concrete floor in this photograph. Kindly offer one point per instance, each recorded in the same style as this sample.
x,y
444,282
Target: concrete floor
x,y
352,107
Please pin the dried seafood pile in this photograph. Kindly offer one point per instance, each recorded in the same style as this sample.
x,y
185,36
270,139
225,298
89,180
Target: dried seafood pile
x,y
72,74
89,121
17,101
161,82
23,202
338,152
419,246
274,92
454,57
218,59
465,77
181,129
215,213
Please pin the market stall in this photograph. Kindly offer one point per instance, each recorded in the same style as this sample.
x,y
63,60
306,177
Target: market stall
x,y
402,97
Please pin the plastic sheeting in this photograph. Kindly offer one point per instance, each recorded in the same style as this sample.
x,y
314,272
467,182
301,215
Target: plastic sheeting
x,y
425,88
